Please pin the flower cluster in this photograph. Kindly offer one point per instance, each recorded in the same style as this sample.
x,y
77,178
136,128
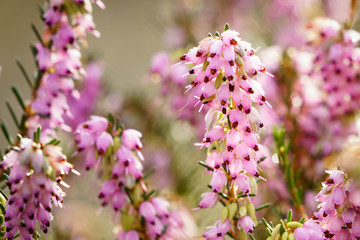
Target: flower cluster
x,y
58,61
336,65
126,190
303,109
36,170
226,69
338,207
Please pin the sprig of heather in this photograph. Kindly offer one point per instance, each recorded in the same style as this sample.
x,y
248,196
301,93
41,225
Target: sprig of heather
x,y
225,70
336,65
339,206
58,61
36,169
117,153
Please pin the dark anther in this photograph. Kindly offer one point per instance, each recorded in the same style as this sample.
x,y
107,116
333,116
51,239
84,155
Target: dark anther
x,y
231,88
330,181
233,42
349,225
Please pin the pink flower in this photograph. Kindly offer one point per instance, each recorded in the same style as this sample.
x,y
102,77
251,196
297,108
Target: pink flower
x,y
310,231
246,223
218,180
148,212
218,231
209,200
103,141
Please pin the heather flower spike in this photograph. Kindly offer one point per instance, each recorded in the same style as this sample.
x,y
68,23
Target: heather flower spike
x,y
35,164
36,170
225,70
57,55
126,190
338,206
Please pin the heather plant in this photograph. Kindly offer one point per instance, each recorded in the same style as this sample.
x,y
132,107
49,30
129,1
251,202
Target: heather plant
x,y
275,128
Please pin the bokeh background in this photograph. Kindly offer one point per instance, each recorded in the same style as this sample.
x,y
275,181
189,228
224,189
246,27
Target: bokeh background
x,y
132,31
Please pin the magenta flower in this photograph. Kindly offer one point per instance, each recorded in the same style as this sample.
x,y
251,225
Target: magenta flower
x,y
310,231
218,231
